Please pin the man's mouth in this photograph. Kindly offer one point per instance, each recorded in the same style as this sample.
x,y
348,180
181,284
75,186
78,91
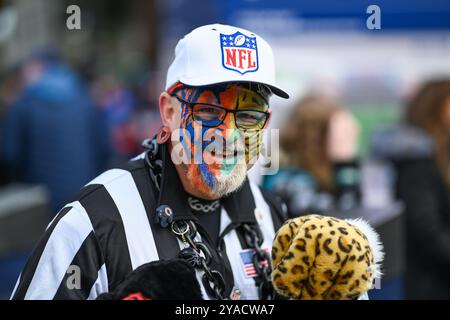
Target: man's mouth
x,y
224,154
227,154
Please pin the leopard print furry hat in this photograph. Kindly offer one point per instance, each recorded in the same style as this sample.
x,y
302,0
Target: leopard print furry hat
x,y
325,258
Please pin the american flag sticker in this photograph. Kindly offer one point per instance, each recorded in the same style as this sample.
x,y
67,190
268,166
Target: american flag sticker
x,y
247,262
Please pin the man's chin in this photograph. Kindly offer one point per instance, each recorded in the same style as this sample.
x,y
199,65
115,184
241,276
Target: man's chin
x,y
217,176
227,183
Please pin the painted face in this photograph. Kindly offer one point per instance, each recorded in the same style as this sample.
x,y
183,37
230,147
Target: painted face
x,y
220,131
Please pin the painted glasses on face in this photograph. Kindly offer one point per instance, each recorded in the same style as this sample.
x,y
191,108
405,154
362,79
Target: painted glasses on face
x,y
211,105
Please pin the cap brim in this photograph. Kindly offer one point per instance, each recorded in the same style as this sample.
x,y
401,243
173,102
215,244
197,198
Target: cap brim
x,y
278,92
275,90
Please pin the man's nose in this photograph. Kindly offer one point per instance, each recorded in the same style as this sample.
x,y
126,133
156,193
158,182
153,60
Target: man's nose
x,y
229,125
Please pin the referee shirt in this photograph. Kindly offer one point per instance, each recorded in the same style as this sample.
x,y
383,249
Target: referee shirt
x,y
109,229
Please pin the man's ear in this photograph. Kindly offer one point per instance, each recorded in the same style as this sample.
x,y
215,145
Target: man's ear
x,y
268,120
167,110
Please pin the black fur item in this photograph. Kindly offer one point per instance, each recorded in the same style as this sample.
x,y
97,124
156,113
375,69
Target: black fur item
x,y
159,280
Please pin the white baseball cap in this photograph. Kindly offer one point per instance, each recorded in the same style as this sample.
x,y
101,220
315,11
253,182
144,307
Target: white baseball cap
x,y
218,53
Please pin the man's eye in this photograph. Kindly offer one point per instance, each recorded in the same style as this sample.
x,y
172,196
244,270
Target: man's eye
x,y
207,112
250,116
247,115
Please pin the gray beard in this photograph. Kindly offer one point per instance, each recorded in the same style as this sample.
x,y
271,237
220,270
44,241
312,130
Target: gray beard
x,y
223,185
227,184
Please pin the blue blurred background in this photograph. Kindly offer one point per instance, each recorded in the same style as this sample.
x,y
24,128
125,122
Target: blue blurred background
x,y
76,102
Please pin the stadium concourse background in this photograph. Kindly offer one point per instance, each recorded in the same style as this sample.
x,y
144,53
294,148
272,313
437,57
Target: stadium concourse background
x,y
112,70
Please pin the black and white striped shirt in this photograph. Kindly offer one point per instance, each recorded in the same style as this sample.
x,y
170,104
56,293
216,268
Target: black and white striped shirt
x,y
109,230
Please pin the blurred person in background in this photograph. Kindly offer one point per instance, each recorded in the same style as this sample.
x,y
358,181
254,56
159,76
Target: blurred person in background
x,y
419,150
129,113
10,87
51,134
318,155
117,105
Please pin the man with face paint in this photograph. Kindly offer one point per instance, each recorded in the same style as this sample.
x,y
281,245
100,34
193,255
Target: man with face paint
x,y
182,220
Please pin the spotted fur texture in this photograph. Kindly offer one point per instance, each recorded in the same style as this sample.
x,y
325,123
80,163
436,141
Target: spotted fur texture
x,y
324,258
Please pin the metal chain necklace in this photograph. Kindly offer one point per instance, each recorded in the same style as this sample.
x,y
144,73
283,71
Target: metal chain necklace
x,y
199,256
261,260
197,206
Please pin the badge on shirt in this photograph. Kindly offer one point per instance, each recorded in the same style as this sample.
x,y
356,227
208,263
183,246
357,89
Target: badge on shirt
x,y
258,215
236,294
247,262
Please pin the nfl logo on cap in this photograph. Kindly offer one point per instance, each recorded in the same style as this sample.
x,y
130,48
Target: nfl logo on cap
x,y
239,52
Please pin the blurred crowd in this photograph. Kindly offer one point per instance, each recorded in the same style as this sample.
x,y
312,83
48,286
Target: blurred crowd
x,y
60,130
322,174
